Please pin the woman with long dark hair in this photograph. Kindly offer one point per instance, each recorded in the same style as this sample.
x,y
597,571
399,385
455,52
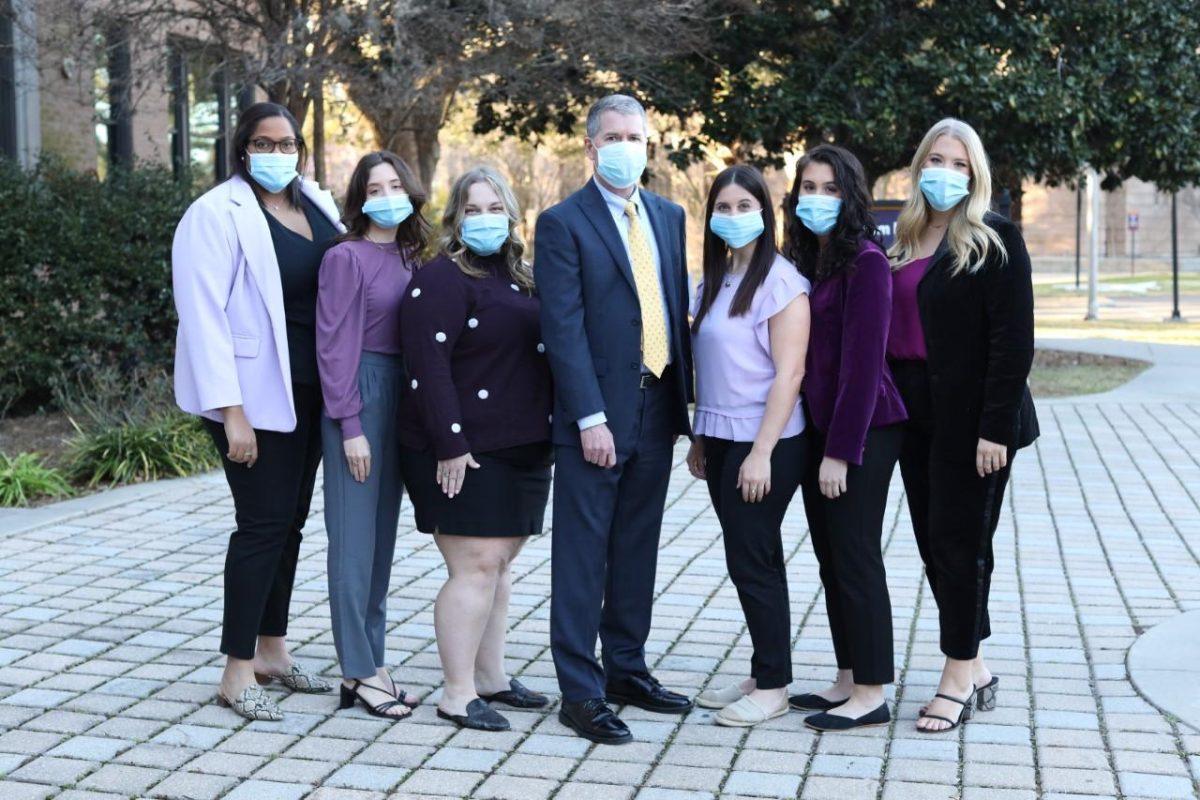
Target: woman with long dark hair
x,y
477,455
855,437
244,266
961,347
749,336
362,281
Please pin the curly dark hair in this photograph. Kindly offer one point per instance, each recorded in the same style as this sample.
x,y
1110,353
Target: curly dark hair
x,y
413,233
855,221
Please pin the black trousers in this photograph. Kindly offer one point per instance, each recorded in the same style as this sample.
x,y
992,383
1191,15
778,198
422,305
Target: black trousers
x,y
847,538
954,514
604,551
754,548
271,501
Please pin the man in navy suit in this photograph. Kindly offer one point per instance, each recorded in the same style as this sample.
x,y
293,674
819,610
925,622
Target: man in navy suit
x,y
611,272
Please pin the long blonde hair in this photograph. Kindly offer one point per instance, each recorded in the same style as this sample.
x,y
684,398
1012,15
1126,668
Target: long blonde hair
x,y
967,236
514,249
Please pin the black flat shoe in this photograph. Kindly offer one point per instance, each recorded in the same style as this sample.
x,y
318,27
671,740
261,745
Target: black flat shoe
x,y
968,709
831,722
594,721
480,717
518,696
644,691
351,694
812,702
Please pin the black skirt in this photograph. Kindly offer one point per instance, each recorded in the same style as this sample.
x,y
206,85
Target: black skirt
x,y
506,496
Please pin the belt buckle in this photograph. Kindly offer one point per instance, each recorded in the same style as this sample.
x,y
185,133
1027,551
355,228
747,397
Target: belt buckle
x,y
646,380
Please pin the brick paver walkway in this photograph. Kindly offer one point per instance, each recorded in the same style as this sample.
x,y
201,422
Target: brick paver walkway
x,y
109,628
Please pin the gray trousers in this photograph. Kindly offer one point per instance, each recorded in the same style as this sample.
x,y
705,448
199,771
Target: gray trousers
x,y
361,519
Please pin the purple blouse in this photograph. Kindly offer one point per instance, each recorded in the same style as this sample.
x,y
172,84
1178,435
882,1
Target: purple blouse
x,y
358,308
847,385
479,377
906,337
734,369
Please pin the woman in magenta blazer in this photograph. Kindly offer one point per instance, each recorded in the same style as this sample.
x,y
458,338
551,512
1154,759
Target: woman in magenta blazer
x,y
244,267
855,410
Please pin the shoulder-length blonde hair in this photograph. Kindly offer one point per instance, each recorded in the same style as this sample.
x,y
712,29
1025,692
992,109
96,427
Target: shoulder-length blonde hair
x,y
968,236
513,249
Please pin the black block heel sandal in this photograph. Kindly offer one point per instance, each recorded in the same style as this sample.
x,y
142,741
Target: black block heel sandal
x,y
986,695
968,710
350,694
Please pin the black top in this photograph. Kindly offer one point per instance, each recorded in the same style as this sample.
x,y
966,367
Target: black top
x,y
979,336
478,376
299,264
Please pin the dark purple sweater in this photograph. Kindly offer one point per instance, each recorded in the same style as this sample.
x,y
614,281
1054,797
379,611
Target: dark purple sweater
x,y
478,375
847,384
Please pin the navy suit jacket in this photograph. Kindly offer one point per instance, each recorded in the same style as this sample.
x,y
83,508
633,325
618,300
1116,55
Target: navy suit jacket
x,y
591,318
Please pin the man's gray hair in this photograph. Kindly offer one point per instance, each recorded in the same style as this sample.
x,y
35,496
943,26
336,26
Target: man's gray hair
x,y
621,103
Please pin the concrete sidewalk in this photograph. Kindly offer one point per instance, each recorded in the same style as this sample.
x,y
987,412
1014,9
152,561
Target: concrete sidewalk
x,y
110,611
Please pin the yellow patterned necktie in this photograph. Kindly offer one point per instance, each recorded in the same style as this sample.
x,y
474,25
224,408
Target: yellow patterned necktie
x,y
649,290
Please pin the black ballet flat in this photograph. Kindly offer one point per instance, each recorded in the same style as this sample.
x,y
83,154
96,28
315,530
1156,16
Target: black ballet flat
x,y
832,723
480,717
517,696
812,702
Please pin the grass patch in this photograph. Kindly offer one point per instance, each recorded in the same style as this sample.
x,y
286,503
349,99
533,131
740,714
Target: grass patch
x,y
1061,373
26,477
1127,330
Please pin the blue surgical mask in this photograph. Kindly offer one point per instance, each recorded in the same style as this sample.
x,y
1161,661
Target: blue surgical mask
x,y
818,212
388,211
484,234
273,171
943,188
621,163
738,230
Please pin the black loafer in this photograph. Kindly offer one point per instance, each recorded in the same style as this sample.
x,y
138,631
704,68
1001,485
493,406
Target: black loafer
x,y
830,722
517,696
812,702
644,691
480,716
594,721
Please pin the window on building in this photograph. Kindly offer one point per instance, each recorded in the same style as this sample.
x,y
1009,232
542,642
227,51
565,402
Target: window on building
x,y
112,83
8,83
203,112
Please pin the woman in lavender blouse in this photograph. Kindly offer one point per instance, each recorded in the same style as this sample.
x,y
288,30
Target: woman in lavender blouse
x,y
749,337
361,283
855,437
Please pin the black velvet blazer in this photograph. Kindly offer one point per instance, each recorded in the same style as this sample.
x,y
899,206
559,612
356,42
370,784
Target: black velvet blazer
x,y
979,337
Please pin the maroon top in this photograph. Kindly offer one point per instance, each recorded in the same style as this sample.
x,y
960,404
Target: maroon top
x,y
847,384
478,375
358,308
906,338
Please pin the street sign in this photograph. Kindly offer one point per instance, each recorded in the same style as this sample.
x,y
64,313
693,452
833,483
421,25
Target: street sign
x,y
1132,220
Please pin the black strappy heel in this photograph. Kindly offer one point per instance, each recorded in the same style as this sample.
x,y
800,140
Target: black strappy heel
x,y
968,710
350,694
986,694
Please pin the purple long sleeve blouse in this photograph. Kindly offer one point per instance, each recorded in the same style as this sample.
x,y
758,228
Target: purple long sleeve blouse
x,y
847,384
358,309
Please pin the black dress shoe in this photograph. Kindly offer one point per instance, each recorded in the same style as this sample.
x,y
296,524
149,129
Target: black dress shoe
x,y
831,722
812,702
595,721
480,716
644,691
517,696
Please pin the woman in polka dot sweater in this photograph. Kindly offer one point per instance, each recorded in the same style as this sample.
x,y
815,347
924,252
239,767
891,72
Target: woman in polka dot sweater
x,y
476,451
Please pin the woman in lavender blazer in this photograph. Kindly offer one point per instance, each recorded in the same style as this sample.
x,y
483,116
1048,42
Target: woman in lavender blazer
x,y
244,268
855,413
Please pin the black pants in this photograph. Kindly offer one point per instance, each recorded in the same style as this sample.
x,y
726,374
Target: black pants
x,y
604,551
847,538
954,514
754,548
270,501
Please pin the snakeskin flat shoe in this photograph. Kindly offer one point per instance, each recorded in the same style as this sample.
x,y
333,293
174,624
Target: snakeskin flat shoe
x,y
253,704
296,679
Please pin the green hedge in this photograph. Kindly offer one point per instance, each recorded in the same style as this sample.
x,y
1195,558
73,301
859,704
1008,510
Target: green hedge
x,y
85,274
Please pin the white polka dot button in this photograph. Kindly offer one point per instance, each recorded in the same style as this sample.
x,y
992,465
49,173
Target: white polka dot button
x,y
541,347
455,428
416,292
414,383
483,394
515,288
472,323
441,337
549,418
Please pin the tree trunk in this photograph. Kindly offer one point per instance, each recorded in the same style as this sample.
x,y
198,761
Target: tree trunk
x,y
319,133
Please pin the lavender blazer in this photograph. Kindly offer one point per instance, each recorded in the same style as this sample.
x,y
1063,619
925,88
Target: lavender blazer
x,y
847,384
231,348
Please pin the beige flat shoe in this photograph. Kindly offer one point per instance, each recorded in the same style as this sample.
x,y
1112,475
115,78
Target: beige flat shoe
x,y
745,713
719,698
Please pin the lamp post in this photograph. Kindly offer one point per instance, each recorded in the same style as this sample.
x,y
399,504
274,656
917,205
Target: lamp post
x,y
1175,315
1094,256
